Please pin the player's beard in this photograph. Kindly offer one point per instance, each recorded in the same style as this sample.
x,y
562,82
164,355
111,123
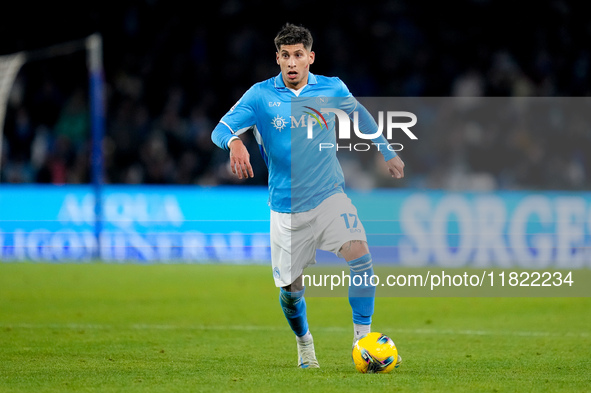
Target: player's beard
x,y
293,83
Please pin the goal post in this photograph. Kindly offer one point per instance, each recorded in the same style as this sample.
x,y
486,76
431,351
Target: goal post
x,y
9,67
94,50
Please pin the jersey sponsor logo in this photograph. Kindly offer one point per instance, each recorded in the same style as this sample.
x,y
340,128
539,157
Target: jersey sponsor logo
x,y
308,120
297,123
272,104
279,123
316,115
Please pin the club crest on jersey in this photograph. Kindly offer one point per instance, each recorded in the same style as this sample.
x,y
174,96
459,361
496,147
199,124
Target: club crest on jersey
x,y
279,123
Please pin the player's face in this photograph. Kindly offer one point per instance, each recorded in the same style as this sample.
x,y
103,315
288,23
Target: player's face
x,y
294,61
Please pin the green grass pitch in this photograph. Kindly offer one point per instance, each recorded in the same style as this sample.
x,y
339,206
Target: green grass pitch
x,y
216,328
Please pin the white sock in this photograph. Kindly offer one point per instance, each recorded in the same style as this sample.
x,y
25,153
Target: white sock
x,y
305,337
360,330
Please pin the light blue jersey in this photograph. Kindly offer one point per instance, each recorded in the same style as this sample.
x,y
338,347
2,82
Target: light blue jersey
x,y
301,175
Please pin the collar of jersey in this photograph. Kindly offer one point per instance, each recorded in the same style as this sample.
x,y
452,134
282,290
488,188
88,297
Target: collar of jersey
x,y
279,84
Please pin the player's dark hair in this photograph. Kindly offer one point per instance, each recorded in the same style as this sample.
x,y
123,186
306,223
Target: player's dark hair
x,y
291,34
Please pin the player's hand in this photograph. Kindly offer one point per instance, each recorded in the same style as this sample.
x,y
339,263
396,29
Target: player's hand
x,y
396,167
240,160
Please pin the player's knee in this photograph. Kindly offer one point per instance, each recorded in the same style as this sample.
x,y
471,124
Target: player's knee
x,y
354,249
296,286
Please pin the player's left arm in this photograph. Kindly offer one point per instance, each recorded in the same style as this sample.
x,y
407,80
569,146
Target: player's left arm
x,y
396,167
368,125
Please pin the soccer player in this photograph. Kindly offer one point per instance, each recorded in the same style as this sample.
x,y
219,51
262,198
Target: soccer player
x,y
309,209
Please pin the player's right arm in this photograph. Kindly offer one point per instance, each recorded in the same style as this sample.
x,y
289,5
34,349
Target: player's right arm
x,y
239,119
240,159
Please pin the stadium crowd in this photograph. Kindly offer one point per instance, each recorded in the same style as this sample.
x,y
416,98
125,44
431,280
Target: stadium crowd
x,y
170,75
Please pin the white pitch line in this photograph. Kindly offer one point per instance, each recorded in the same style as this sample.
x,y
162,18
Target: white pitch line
x,y
467,332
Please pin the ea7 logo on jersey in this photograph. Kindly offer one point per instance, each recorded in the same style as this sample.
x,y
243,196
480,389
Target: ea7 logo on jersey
x,y
273,104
